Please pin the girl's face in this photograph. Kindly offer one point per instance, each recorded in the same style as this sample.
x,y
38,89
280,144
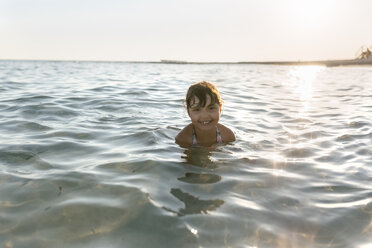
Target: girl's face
x,y
204,118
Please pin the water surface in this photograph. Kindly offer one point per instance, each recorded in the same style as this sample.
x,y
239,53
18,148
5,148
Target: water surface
x,y
88,159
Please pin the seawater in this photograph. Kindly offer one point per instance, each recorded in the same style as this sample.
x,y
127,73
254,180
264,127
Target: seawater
x,y
88,159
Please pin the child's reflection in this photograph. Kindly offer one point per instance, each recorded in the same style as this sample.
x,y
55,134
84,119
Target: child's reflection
x,y
194,205
200,157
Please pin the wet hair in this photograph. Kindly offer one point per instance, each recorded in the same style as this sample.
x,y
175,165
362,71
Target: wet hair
x,y
201,90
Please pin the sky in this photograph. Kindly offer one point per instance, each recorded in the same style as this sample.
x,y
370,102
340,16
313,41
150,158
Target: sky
x,y
189,30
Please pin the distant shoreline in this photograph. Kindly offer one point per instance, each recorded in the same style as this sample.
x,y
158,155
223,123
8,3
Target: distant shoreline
x,y
328,63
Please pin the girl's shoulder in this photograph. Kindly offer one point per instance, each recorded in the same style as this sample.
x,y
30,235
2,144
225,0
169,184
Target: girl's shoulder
x,y
226,134
184,137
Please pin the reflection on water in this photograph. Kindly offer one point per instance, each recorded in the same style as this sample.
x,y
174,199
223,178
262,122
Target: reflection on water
x,y
201,158
194,205
203,178
301,80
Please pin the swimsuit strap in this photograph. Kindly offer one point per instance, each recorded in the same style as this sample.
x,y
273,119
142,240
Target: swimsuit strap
x,y
194,141
219,138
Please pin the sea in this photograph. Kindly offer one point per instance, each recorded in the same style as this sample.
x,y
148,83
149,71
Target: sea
x,y
88,157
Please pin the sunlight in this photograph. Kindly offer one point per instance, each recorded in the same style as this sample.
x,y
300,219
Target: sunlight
x,y
311,13
277,159
301,82
303,78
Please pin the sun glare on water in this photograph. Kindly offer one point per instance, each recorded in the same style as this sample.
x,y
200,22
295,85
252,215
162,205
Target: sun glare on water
x,y
301,83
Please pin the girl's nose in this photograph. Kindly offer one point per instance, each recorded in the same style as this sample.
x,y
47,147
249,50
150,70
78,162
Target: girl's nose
x,y
204,112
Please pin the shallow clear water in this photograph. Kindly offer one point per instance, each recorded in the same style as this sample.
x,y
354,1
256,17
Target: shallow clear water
x,y
88,159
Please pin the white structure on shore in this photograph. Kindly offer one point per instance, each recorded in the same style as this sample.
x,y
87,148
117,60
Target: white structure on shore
x,y
364,53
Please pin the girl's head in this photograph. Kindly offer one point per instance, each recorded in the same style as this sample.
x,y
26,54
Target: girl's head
x,y
198,93
204,105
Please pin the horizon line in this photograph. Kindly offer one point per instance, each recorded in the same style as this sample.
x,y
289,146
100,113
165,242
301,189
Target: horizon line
x,y
166,61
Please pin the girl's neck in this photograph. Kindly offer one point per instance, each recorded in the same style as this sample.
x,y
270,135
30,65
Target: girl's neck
x,y
204,137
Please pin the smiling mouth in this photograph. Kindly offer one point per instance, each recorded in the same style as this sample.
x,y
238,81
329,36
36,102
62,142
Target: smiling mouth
x,y
204,123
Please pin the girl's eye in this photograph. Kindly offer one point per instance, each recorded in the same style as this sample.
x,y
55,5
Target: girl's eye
x,y
196,109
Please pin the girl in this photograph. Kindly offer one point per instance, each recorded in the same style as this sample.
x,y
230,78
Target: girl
x,y
204,106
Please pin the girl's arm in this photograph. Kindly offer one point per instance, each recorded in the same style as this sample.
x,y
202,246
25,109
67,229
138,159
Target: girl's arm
x,y
184,137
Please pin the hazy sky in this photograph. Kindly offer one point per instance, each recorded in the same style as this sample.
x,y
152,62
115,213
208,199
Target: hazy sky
x,y
192,30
